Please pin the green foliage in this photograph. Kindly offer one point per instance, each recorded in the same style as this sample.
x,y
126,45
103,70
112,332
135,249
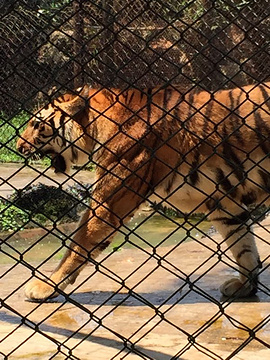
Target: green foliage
x,y
52,9
193,11
42,205
53,5
12,218
9,128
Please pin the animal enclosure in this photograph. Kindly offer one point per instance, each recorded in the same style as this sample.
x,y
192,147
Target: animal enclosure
x,y
134,179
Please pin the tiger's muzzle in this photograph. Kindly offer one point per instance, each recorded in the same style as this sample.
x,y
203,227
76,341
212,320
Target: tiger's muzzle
x,y
25,147
57,160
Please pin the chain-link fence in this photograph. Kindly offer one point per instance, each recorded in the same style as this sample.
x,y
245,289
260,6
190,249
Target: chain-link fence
x,y
162,111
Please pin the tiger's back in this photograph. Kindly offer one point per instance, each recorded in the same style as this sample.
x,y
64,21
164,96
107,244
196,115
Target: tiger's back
x,y
199,140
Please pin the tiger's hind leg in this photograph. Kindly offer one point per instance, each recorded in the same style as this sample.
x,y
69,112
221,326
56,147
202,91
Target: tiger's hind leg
x,y
235,226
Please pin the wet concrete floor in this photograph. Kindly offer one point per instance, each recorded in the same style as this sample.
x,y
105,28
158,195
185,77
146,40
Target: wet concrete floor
x,y
157,303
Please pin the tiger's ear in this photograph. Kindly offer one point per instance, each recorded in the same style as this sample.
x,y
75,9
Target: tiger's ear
x,y
75,106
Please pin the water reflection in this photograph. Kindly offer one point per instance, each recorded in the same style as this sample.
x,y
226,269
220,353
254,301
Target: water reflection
x,y
144,230
157,230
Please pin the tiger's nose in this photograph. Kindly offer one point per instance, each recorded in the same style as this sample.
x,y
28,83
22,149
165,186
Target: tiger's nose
x,y
23,147
19,145
20,148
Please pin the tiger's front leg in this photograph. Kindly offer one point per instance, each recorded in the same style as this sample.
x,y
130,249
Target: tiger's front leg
x,y
94,234
236,228
116,196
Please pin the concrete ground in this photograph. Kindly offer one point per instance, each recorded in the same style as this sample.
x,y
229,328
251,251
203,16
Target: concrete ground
x,y
140,304
138,307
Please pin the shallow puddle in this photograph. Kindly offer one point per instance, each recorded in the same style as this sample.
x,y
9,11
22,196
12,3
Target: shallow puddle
x,y
143,231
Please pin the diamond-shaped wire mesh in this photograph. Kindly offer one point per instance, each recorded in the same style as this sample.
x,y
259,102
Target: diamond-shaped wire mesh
x,y
143,97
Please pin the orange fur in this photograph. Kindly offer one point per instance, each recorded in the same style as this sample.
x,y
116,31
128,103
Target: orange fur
x,y
195,151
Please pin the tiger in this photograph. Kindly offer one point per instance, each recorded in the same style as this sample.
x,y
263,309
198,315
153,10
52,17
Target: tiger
x,y
195,150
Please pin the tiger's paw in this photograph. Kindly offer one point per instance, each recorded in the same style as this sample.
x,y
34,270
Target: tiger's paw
x,y
235,288
38,290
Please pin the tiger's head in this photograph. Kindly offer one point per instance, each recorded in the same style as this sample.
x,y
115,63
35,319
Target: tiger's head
x,y
60,130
